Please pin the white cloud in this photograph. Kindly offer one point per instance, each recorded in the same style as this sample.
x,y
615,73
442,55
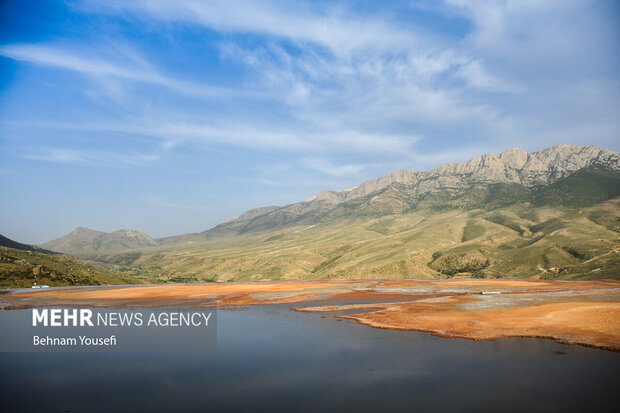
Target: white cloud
x,y
132,69
90,158
331,169
477,76
50,56
169,132
334,82
333,27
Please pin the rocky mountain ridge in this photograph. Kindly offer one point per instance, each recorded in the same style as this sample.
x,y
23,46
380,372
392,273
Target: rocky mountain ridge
x,y
402,190
511,166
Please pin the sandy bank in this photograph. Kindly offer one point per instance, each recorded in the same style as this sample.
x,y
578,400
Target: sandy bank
x,y
585,313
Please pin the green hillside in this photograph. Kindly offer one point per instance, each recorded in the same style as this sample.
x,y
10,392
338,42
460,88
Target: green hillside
x,y
585,187
18,268
568,229
519,241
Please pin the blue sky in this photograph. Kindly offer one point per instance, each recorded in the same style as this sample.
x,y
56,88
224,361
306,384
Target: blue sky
x,y
171,117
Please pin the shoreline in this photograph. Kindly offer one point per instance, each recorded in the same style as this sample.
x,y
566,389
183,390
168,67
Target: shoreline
x,y
571,312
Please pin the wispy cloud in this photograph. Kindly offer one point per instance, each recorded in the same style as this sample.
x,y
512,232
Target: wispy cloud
x,y
330,79
347,75
169,132
131,68
332,27
331,169
90,158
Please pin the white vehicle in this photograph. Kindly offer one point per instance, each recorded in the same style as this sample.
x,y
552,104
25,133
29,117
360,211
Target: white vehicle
x,y
39,286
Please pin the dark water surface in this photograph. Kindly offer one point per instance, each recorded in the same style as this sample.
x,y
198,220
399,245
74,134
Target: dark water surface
x,y
289,361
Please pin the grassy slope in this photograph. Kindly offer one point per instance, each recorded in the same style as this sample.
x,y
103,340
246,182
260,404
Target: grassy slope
x,y
517,241
585,187
563,230
16,270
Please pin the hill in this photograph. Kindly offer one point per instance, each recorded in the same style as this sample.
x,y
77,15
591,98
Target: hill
x,y
9,243
86,243
521,241
21,268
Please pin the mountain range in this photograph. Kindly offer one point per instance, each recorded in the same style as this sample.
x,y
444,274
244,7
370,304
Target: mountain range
x,y
403,191
550,213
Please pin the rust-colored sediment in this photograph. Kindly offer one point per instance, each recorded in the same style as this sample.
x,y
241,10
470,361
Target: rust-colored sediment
x,y
586,313
591,323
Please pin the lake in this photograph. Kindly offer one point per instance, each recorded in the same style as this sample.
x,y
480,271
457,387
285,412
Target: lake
x,y
269,358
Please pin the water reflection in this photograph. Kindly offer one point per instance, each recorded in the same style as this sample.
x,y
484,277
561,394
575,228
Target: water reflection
x,y
273,359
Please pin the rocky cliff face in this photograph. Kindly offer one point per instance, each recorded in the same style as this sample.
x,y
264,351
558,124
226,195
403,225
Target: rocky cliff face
x,y
513,166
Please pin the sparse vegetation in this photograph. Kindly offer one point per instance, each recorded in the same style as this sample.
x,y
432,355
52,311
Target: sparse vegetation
x,y
472,230
568,229
21,268
554,242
